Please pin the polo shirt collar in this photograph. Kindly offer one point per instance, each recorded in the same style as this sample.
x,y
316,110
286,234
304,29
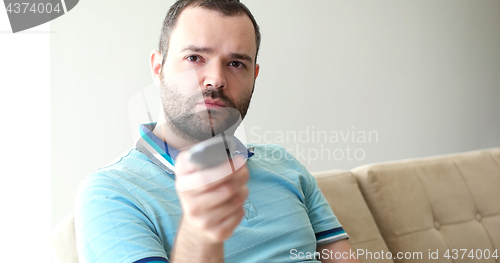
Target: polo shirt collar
x,y
163,155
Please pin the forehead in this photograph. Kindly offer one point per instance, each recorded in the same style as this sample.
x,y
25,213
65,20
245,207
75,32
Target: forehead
x,y
208,28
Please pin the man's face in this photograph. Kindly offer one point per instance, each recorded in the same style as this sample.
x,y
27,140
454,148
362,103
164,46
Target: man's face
x,y
209,72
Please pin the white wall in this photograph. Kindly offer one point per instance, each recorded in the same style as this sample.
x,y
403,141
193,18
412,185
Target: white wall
x,y
423,76
25,191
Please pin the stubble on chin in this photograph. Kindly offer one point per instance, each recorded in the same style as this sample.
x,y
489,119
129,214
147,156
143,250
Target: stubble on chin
x,y
201,125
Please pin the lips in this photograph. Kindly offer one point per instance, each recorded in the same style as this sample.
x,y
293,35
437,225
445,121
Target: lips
x,y
209,103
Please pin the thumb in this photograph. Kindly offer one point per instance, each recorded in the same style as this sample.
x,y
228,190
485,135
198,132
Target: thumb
x,y
183,166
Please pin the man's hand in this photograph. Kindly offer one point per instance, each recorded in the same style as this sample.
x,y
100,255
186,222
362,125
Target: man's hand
x,y
211,211
214,209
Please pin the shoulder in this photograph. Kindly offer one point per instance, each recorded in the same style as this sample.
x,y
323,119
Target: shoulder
x,y
274,155
271,153
131,160
272,163
125,174
275,158
111,212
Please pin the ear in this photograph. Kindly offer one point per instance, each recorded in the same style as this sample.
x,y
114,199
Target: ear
x,y
257,68
155,65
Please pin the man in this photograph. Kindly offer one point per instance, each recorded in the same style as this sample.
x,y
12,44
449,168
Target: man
x,y
149,208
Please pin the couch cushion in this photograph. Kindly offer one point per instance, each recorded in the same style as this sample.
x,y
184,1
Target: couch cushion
x,y
63,242
341,191
444,202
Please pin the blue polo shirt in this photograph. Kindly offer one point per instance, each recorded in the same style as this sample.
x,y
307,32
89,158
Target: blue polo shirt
x,y
129,211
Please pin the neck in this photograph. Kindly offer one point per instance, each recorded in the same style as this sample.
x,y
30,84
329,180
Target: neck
x,y
164,131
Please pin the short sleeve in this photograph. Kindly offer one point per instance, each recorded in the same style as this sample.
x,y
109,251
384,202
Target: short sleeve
x,y
112,226
326,226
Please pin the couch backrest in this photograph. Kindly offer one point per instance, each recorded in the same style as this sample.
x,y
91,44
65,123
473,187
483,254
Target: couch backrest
x,y
446,202
342,192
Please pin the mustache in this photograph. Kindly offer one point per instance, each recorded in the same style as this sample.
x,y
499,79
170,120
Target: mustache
x,y
218,94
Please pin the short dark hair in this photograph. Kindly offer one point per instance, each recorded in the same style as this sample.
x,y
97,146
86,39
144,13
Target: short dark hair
x,y
225,7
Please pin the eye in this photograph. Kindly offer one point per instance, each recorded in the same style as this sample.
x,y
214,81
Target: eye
x,y
237,64
193,58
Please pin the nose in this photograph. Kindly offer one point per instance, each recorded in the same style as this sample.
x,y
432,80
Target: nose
x,y
215,76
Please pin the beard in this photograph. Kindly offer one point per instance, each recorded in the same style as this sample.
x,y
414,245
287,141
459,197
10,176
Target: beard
x,y
205,124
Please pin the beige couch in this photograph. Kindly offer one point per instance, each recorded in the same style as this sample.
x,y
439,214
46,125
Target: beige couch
x,y
409,208
420,205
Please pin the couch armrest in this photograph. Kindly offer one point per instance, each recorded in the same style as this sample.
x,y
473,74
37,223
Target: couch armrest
x,y
342,193
63,242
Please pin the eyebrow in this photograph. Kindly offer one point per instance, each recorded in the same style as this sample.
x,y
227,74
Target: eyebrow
x,y
241,56
209,50
198,49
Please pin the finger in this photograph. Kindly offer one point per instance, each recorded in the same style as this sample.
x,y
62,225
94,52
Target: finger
x,y
183,165
235,182
216,215
238,162
203,180
217,201
227,225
